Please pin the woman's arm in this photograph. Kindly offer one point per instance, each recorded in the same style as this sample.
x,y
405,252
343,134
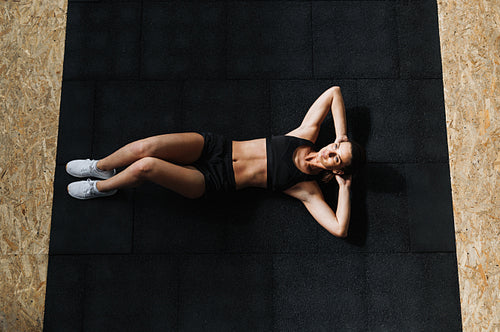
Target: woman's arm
x,y
318,110
339,118
310,194
330,100
344,200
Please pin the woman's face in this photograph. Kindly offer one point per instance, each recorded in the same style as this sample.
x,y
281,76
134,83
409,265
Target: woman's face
x,y
336,156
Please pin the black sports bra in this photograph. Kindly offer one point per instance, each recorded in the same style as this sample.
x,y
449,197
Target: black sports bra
x,y
281,170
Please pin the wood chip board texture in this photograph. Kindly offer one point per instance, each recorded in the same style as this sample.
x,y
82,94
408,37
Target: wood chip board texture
x,y
470,53
32,35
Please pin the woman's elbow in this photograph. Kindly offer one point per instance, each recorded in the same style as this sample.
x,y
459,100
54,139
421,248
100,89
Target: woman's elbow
x,y
335,92
341,232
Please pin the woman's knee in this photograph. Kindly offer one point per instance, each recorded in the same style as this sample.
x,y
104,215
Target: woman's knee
x,y
142,148
143,167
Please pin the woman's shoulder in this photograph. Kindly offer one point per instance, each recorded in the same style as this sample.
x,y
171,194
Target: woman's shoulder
x,y
304,190
303,133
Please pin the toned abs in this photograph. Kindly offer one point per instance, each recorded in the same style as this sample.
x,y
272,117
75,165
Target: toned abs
x,y
250,163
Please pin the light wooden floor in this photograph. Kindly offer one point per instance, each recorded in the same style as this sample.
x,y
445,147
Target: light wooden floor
x,y
32,50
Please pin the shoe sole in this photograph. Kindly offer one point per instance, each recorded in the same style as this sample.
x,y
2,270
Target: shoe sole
x,y
83,198
87,176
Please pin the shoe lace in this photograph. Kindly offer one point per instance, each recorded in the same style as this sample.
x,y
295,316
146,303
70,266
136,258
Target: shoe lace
x,y
89,168
90,188
92,168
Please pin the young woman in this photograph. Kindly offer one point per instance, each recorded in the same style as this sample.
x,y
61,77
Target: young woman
x,y
199,164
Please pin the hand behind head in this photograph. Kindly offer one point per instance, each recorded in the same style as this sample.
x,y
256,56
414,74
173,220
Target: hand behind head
x,y
343,180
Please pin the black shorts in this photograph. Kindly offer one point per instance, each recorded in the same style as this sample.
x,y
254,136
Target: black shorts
x,y
216,164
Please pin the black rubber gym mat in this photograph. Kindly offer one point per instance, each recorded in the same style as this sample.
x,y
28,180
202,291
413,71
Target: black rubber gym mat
x,y
147,259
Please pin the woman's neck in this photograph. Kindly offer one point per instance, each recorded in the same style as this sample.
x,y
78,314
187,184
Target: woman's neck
x,y
312,162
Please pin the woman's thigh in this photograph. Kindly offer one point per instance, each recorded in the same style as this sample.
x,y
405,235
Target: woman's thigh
x,y
185,180
180,148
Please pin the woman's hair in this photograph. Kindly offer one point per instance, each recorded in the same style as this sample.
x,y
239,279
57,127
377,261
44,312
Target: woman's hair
x,y
358,160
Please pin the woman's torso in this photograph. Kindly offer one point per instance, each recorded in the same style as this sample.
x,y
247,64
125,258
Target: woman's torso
x,y
250,162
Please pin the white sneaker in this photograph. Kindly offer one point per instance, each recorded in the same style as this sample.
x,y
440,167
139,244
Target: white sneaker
x,y
81,168
87,189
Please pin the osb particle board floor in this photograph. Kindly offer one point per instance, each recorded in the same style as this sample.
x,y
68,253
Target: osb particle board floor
x,y
468,37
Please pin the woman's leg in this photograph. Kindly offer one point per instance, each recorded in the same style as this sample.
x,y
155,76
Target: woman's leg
x,y
179,148
187,181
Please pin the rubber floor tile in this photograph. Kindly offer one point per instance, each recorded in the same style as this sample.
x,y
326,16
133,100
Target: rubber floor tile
x,y
419,46
104,41
131,293
65,293
132,110
406,120
279,48
167,222
237,109
353,39
100,225
226,293
320,292
431,209
179,39
76,120
413,292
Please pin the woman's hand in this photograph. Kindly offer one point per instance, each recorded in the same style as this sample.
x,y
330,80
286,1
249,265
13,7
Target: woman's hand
x,y
341,139
344,180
